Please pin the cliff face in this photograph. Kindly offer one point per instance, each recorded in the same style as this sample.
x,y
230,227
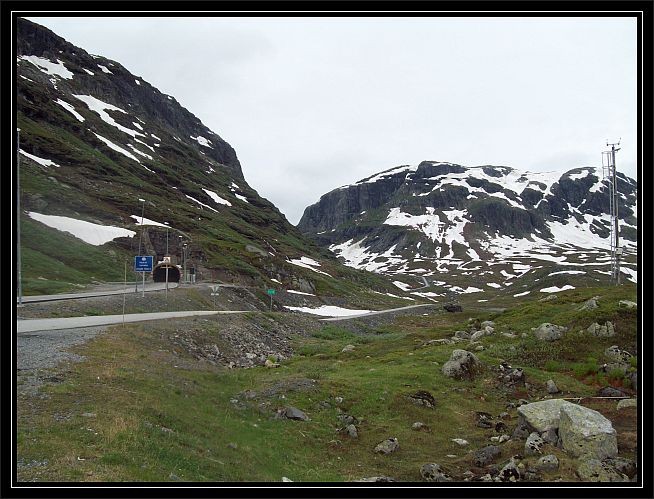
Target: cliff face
x,y
438,217
95,139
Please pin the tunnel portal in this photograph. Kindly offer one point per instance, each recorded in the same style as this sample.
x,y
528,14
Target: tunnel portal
x,y
159,273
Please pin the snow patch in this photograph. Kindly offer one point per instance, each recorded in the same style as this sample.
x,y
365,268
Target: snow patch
x,y
329,311
555,289
116,148
41,161
88,232
70,109
216,198
48,67
99,107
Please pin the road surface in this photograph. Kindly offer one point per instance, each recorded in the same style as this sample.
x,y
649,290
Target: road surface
x,y
153,286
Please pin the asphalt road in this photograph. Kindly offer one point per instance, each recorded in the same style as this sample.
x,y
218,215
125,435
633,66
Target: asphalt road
x,y
152,286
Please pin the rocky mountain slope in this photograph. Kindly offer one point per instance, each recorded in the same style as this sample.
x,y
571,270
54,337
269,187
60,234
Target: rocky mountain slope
x,y
95,139
477,228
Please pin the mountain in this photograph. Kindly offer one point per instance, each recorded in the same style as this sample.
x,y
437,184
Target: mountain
x,y
95,139
477,228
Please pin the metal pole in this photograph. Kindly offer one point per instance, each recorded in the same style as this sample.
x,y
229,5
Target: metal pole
x,y
167,266
18,259
185,256
124,289
615,206
136,286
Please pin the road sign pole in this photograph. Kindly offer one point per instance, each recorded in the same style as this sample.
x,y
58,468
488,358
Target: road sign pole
x,y
124,290
143,289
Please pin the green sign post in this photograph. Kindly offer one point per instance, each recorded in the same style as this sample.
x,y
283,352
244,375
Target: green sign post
x,y
271,292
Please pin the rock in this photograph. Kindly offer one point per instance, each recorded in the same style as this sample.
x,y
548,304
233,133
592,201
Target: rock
x,y
534,444
551,387
294,413
286,479
487,324
548,463
504,438
634,380
269,363
488,330
615,366
550,436
594,470
522,430
614,353
627,304
348,348
460,441
418,426
376,479
605,331
346,419
351,431
477,335
432,472
452,307
609,391
387,446
625,403
462,365
623,466
479,348
543,415
232,445
483,420
585,432
590,304
549,332
486,455
500,427
462,335
513,377
510,472
89,414
423,398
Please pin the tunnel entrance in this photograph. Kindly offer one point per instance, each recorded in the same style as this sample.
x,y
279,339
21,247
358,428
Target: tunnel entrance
x,y
159,273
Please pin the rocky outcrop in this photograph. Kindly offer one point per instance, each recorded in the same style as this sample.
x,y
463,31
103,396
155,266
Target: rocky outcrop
x,y
549,332
603,331
585,432
462,365
543,415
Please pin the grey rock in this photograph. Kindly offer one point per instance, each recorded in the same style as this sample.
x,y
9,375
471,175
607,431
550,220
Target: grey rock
x,y
477,335
551,387
623,466
483,419
585,432
549,298
432,472
504,438
627,304
291,412
615,354
509,472
534,444
479,348
487,323
452,307
418,426
626,403
550,436
463,335
387,446
351,431
594,470
423,398
522,430
486,455
605,331
549,332
590,304
543,415
548,463
462,365
348,348
460,441
376,479
610,391
346,419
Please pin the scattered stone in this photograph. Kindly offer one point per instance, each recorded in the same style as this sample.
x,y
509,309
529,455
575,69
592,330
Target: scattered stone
x,y
504,438
500,427
477,335
549,298
623,466
269,363
293,413
513,377
625,403
418,426
521,431
509,473
544,414
488,330
486,478
486,455
548,463
627,304
346,419
590,304
433,472
286,479
605,331
460,441
338,400
88,414
551,387
348,348
483,420
462,335
504,415
551,436
487,324
376,479
232,445
585,432
510,335
423,398
534,444
351,431
462,365
387,446
594,470
495,438
479,348
614,353
452,307
549,332
609,391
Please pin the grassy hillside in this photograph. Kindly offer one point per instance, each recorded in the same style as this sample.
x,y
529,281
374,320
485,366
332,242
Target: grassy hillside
x,y
141,407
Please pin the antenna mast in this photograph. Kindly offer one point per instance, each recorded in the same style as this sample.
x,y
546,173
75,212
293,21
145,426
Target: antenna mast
x,y
608,169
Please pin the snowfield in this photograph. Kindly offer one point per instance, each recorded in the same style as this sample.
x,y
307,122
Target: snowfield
x,y
329,311
88,232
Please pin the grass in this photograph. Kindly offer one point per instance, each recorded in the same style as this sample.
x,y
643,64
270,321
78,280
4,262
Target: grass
x,y
160,415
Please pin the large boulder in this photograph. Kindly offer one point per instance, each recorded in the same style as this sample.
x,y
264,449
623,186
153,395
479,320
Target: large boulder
x,y
462,365
387,446
549,332
486,455
432,472
585,432
543,415
605,331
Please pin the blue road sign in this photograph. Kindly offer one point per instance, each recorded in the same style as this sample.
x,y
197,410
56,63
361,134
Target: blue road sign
x,y
143,263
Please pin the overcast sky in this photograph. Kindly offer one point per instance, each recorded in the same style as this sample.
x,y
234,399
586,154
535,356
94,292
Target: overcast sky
x,y
312,104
